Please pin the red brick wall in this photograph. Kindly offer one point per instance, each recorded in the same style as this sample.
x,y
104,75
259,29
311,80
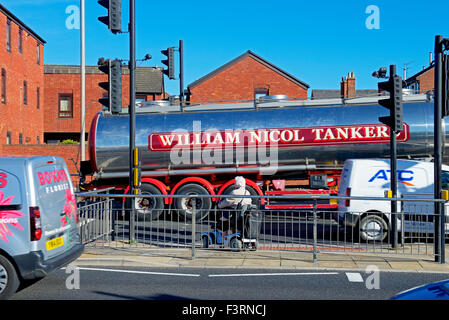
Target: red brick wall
x,y
64,151
239,81
16,117
56,83
426,81
70,83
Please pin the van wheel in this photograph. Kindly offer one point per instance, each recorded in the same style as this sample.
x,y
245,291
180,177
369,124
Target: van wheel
x,y
149,208
184,205
373,228
9,281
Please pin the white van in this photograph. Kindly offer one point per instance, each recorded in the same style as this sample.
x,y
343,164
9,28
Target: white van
x,y
371,178
38,219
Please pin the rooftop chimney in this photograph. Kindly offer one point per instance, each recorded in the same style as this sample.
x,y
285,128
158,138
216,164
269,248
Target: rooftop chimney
x,y
347,86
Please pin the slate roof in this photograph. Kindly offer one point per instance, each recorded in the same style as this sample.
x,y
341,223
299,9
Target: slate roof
x,y
332,94
249,53
148,79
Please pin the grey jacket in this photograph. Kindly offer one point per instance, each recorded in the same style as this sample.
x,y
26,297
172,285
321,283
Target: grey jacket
x,y
233,202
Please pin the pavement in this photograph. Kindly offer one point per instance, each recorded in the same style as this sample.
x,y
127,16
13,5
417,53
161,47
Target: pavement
x,y
152,257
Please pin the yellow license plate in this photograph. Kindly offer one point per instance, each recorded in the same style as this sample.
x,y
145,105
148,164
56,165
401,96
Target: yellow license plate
x,y
54,243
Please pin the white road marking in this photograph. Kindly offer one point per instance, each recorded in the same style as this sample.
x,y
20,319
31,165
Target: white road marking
x,y
273,274
221,275
354,277
141,272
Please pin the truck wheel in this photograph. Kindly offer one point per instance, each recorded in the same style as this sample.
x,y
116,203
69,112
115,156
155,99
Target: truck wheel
x,y
149,208
9,281
184,205
373,228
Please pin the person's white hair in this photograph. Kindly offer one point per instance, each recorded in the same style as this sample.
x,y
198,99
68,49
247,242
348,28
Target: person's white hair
x,y
240,182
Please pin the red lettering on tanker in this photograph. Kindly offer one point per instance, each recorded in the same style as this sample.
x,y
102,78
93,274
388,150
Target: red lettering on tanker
x,y
287,137
8,217
48,177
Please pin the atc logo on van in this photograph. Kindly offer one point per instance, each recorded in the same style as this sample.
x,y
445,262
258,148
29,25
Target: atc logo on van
x,y
404,176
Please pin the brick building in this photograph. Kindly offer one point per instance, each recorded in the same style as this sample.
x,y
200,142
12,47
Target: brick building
x,y
423,81
22,82
246,78
40,104
63,97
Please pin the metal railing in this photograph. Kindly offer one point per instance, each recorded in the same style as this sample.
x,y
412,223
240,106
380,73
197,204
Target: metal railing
x,y
95,215
198,223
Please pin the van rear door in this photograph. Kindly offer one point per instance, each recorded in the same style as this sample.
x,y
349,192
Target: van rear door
x,y
13,217
56,206
344,186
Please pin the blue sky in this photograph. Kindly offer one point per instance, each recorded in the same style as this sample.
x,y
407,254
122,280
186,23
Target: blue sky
x,y
316,41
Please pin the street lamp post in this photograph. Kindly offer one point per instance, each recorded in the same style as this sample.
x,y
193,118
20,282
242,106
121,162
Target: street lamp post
x,y
83,82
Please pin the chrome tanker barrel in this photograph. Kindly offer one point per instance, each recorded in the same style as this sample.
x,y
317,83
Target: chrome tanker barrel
x,y
283,135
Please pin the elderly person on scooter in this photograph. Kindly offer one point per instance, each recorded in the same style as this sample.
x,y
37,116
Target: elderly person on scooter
x,y
230,219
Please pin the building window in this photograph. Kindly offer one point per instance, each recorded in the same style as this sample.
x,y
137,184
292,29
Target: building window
x,y
20,39
65,105
25,93
260,92
38,97
38,53
8,35
20,138
3,86
8,137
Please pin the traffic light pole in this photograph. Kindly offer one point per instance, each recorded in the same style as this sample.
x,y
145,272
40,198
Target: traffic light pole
x,y
394,188
438,101
181,75
394,121
132,107
394,177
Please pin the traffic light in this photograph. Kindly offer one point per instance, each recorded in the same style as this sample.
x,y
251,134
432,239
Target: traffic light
x,y
169,62
393,103
445,86
113,101
114,18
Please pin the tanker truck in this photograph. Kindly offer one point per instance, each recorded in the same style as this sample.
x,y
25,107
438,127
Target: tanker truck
x,y
280,146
